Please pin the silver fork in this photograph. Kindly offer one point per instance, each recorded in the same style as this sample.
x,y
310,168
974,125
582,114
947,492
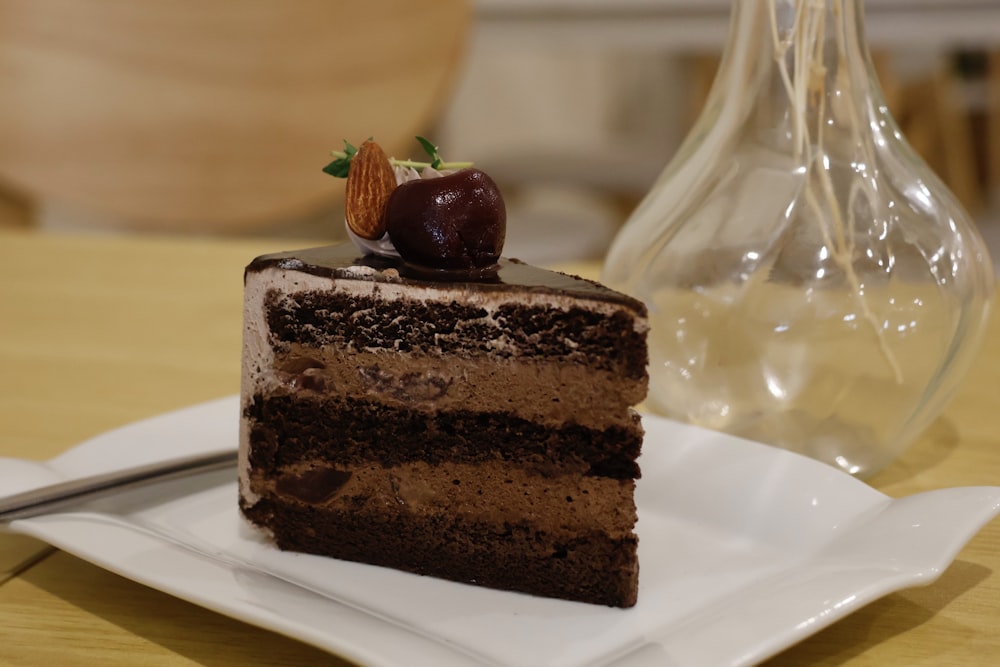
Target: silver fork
x,y
61,495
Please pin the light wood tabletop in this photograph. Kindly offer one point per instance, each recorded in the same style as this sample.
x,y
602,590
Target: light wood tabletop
x,y
96,332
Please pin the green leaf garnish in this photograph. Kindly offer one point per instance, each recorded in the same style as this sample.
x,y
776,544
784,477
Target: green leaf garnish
x,y
341,165
431,150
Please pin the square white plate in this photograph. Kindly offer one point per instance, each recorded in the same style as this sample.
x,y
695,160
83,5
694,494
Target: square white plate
x,y
744,550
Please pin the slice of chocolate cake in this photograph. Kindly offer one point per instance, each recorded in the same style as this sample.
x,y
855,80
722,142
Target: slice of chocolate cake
x,y
480,431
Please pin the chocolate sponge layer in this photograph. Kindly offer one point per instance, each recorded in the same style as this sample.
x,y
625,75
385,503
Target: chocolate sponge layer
x,y
349,430
513,555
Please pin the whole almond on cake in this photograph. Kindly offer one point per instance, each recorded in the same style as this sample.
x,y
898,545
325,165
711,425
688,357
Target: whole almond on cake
x,y
370,181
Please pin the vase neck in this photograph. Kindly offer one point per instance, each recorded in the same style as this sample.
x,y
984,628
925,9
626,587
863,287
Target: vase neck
x,y
806,38
779,21
797,70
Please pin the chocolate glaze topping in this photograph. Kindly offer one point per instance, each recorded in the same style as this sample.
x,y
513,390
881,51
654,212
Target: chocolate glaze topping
x,y
336,261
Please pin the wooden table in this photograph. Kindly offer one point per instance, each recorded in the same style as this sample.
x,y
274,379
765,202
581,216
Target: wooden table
x,y
96,332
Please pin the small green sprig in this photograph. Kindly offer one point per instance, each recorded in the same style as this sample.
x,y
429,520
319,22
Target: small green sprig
x,y
339,167
341,164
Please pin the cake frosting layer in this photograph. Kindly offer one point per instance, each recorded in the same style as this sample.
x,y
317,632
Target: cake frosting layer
x,y
345,261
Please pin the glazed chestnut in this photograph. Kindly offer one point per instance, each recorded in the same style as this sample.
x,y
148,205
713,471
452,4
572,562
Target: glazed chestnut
x,y
456,221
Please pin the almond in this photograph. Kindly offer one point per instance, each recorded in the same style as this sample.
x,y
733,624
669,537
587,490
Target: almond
x,y
370,181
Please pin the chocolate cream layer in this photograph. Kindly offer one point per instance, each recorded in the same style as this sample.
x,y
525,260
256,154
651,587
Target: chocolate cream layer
x,y
486,493
534,389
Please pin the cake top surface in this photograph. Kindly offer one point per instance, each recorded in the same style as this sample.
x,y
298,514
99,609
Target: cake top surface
x,y
345,261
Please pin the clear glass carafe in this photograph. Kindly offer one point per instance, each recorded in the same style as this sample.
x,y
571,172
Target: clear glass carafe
x,y
811,283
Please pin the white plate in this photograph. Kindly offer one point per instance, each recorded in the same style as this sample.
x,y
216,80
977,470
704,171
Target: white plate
x,y
744,549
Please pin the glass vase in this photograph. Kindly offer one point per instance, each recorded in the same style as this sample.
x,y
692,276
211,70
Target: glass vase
x,y
811,283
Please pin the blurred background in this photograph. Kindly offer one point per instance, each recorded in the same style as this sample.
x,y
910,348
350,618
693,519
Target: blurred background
x,y
184,117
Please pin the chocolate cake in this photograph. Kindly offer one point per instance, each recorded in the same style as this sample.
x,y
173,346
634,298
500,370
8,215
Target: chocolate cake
x,y
418,403
480,431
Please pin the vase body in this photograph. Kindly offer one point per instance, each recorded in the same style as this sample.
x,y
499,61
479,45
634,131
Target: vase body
x,y
811,283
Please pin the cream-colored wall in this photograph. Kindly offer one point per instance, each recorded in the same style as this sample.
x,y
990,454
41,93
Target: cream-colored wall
x,y
574,136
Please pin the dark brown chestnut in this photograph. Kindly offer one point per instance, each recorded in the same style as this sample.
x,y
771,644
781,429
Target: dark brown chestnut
x,y
451,222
